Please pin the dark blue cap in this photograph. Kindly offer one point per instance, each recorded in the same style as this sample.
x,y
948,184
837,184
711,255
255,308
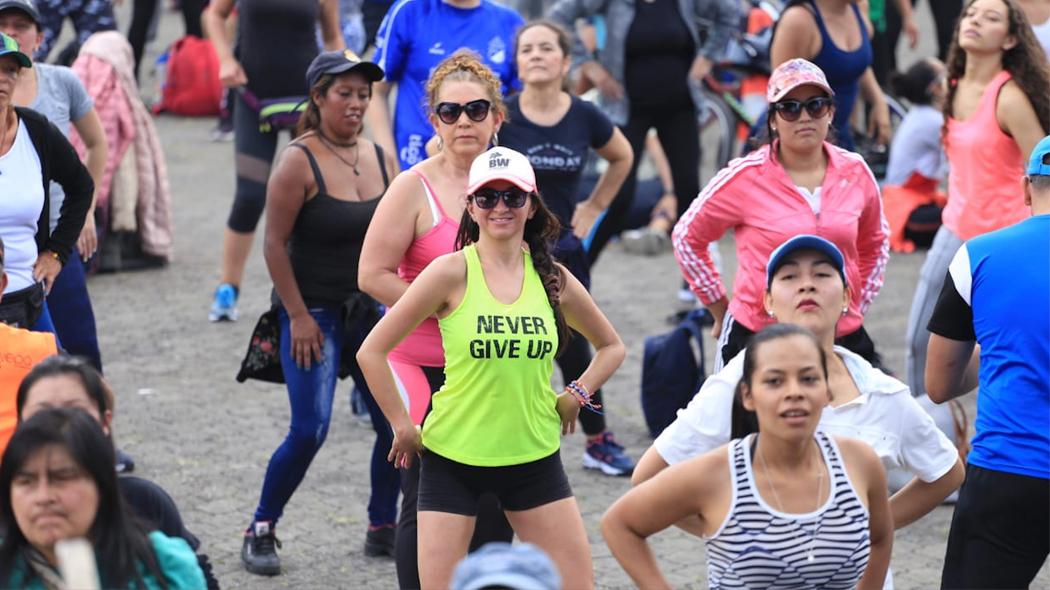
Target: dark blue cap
x,y
805,242
338,62
25,6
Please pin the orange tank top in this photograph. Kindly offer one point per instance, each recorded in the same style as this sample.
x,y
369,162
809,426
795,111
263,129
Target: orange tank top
x,y
19,351
984,184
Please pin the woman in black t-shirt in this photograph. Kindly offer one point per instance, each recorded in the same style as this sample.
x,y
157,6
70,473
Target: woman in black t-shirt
x,y
556,130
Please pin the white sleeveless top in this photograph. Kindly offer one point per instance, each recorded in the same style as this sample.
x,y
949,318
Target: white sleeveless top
x,y
21,201
760,547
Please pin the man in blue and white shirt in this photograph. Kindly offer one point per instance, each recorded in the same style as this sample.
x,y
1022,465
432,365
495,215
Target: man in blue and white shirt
x,y
413,39
997,295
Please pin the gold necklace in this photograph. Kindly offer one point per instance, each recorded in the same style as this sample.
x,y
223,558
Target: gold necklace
x,y
357,151
780,505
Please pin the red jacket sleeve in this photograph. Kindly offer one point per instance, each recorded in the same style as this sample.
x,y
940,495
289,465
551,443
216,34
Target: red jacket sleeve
x,y
713,212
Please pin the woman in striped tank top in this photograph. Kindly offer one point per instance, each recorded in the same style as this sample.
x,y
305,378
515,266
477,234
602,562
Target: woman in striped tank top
x,y
788,508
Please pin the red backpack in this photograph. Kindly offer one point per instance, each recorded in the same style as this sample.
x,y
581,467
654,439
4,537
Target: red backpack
x,y
192,86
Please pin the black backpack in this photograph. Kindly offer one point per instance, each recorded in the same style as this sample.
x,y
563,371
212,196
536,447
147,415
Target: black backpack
x,y
672,372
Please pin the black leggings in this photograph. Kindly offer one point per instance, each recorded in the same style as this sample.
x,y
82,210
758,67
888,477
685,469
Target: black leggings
x,y
254,151
676,129
491,524
142,14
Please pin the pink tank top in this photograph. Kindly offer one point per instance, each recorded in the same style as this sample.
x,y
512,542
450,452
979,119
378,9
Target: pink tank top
x,y
423,346
984,184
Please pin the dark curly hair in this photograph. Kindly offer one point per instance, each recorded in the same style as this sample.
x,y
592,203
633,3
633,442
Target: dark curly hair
x,y
541,232
1025,61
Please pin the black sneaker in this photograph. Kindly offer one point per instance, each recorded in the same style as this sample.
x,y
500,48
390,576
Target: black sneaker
x,y
379,542
259,552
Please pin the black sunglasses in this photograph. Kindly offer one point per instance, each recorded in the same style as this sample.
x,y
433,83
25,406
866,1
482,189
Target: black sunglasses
x,y
476,110
791,110
486,198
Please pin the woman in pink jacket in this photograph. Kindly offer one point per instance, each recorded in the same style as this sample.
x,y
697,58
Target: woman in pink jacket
x,y
797,184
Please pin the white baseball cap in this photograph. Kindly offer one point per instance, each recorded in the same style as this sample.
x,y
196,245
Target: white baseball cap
x,y
500,163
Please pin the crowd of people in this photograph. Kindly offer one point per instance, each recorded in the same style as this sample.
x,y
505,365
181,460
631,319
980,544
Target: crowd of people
x,y
439,251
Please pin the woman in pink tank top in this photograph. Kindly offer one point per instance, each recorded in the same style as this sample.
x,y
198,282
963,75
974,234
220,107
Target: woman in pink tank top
x,y
416,222
996,110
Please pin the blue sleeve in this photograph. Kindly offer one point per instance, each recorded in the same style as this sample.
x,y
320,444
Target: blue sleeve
x,y
392,40
511,81
601,128
79,101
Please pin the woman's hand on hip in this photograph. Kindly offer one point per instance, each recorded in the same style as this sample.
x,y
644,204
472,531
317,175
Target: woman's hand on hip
x,y
87,244
46,269
307,341
568,409
583,218
408,443
603,80
231,74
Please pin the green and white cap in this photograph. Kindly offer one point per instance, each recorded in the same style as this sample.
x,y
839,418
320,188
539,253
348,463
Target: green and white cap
x,y
9,46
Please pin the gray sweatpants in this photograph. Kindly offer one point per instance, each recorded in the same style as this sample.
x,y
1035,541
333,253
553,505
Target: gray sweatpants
x,y
931,280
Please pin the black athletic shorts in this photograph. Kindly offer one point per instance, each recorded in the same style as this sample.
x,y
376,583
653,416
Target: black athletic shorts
x,y
449,486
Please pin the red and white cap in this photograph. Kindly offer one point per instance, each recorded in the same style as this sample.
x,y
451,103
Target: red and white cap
x,y
500,163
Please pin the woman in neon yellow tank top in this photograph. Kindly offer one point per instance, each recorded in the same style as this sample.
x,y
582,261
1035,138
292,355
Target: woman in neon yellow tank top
x,y
504,310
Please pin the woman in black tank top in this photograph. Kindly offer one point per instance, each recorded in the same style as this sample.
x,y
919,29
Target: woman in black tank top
x,y
321,198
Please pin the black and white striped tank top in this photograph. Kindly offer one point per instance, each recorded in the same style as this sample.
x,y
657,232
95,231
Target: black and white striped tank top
x,y
760,547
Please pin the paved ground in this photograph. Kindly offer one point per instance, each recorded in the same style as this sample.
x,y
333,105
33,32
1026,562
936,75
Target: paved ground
x,y
207,439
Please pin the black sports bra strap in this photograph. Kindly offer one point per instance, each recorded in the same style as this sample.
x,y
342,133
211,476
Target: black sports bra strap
x,y
382,166
321,188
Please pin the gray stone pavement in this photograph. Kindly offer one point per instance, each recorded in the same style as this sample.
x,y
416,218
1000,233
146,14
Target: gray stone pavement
x,y
207,439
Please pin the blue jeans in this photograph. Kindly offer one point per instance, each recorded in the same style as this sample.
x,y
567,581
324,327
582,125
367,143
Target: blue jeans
x,y
71,312
311,393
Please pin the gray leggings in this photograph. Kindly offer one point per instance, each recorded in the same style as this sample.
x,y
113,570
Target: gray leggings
x,y
931,280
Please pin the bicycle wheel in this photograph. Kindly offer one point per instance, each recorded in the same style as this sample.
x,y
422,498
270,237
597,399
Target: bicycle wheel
x,y
716,124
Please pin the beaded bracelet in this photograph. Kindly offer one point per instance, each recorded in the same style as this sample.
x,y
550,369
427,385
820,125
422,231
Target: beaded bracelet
x,y
583,396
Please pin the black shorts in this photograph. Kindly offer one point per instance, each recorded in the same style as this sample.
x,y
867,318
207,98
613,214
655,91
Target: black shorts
x,y
449,486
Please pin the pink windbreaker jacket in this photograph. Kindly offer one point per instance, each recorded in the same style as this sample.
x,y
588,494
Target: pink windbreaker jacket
x,y
755,197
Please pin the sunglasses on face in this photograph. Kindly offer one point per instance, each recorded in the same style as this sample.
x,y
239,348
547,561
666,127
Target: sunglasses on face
x,y
791,110
476,110
513,198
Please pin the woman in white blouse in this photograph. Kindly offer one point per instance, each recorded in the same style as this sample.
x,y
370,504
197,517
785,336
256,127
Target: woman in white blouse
x,y
806,286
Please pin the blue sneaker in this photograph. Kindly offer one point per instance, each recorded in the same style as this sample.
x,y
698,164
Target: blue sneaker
x,y
224,306
607,455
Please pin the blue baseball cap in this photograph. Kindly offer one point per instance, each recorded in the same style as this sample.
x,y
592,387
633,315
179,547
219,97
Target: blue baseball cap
x,y
521,566
805,242
1038,163
9,46
338,62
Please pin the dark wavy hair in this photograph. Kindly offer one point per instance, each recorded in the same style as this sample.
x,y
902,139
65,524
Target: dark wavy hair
x,y
73,366
310,120
745,421
1025,61
914,83
120,542
541,232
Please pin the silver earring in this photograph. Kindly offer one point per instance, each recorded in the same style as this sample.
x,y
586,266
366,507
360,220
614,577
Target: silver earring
x,y
845,310
495,138
770,313
441,143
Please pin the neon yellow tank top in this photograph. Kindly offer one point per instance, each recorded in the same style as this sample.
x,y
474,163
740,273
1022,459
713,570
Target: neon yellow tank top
x,y
497,406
